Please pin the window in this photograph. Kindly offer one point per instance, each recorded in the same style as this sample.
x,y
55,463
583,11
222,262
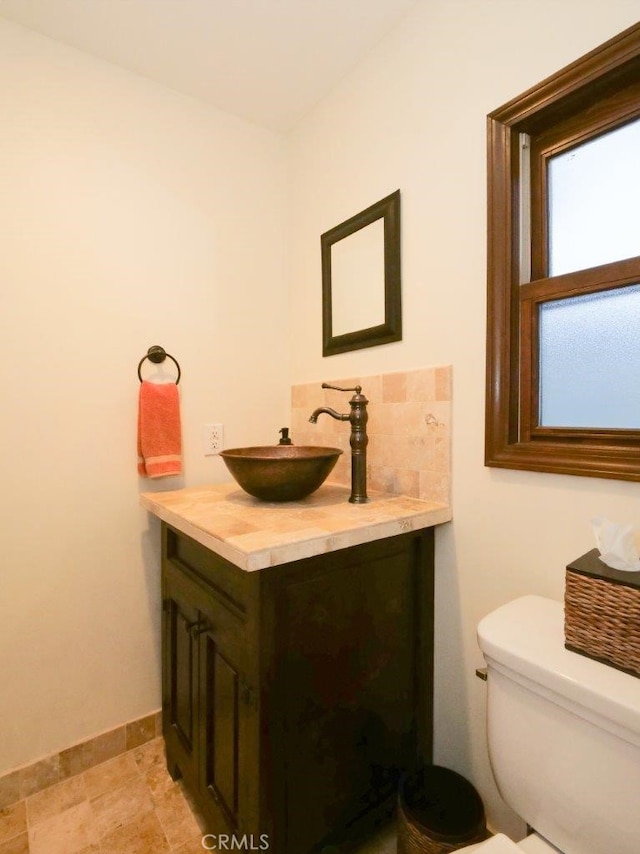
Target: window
x,y
563,311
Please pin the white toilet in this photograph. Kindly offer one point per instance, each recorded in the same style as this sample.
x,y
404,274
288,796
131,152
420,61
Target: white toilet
x,y
563,735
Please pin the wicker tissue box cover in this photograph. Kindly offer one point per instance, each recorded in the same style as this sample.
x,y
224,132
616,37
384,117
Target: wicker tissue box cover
x,y
602,612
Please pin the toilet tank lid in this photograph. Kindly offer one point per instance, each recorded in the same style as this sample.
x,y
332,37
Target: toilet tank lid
x,y
526,636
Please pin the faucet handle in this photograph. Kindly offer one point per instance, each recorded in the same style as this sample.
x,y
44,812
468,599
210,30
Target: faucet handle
x,y
357,388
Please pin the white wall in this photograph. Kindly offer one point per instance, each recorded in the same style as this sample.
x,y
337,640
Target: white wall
x,y
412,116
129,216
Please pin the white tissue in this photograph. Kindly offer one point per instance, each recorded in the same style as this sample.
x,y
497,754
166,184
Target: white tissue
x,y
616,544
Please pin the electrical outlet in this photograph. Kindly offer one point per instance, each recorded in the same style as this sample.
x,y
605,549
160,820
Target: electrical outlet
x,y
213,436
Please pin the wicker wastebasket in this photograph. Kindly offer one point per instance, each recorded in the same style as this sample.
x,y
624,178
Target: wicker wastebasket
x,y
438,811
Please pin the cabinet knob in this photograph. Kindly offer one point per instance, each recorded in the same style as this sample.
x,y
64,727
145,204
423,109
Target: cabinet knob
x,y
198,627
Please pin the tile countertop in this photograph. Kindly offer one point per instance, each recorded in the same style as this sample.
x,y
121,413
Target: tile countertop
x,y
255,534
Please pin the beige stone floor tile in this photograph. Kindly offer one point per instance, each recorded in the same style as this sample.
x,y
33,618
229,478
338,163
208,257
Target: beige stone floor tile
x,y
202,824
110,775
121,806
55,799
159,780
126,805
193,846
17,845
143,835
150,754
67,832
13,821
176,818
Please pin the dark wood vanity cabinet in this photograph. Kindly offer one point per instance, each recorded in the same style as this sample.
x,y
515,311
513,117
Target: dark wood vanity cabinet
x,y
294,697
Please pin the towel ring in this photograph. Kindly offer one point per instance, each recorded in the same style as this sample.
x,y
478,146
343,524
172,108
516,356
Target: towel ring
x,y
156,355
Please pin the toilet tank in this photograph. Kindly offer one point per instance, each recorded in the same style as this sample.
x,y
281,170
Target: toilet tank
x,y
563,732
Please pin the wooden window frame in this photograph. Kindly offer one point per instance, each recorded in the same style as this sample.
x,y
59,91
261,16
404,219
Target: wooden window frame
x,y
599,91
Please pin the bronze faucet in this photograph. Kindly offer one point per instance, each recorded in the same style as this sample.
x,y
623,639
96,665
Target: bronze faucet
x,y
358,418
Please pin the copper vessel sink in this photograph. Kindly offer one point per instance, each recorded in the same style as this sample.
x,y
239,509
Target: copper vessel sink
x,y
280,472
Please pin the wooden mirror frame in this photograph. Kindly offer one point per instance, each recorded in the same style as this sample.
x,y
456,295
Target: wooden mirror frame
x,y
387,209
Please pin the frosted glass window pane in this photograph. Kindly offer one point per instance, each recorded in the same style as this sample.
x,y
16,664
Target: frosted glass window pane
x,y
593,201
590,360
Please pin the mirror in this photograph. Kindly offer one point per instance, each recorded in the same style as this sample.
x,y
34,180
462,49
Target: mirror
x,y
361,295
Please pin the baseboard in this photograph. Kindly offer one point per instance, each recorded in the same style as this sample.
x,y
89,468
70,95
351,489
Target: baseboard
x,y
29,779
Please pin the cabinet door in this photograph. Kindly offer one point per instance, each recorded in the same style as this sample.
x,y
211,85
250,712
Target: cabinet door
x,y
180,674
228,725
209,709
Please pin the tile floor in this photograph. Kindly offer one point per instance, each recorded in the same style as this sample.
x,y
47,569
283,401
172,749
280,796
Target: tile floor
x,y
127,805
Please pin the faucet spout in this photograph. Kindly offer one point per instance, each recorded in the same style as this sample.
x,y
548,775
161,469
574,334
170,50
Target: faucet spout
x,y
326,410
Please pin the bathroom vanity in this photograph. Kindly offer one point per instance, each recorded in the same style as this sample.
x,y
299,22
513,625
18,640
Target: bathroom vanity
x,y
297,657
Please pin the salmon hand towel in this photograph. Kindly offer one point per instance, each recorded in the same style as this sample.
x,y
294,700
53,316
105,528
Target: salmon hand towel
x,y
159,437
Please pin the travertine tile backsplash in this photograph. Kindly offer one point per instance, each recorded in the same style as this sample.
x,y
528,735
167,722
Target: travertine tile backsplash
x,y
409,451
